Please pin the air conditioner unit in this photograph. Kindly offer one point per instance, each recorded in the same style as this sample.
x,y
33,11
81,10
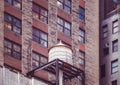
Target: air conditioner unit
x,y
107,45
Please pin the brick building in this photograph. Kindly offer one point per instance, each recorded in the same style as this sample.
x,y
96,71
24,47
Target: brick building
x,y
28,28
109,42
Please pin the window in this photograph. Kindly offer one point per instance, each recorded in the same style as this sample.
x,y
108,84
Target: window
x,y
40,37
106,51
40,13
114,82
12,23
105,31
16,3
114,66
64,26
115,45
81,36
12,49
38,60
65,5
115,26
82,57
81,13
102,70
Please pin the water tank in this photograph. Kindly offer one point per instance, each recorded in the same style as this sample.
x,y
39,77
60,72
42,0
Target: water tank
x,y
62,52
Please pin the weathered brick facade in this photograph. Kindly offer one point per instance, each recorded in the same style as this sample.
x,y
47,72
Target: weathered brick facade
x,y
75,38
1,32
52,22
92,42
90,47
75,31
26,35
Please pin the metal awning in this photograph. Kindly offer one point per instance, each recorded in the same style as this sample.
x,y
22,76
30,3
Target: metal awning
x,y
69,71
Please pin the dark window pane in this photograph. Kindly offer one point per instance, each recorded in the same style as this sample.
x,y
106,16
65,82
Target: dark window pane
x,y
81,36
114,66
102,71
82,58
43,36
114,82
16,48
60,21
7,51
43,60
40,13
7,44
43,12
64,26
9,1
68,3
35,64
35,56
67,9
65,5
8,26
67,32
115,45
60,5
60,28
36,8
43,19
17,22
12,24
35,15
37,34
40,37
36,39
12,49
106,51
67,25
16,55
16,29
105,31
15,3
115,27
38,60
81,13
44,43
82,54
8,18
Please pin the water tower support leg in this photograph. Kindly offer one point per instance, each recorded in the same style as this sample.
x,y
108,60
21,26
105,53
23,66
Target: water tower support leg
x,y
57,73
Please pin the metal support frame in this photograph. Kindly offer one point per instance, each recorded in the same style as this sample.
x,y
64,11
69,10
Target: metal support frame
x,y
69,71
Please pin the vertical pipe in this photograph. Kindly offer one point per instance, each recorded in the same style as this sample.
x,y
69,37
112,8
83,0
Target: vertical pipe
x,y
57,73
18,78
83,79
3,75
60,77
32,81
